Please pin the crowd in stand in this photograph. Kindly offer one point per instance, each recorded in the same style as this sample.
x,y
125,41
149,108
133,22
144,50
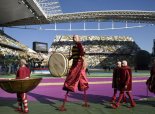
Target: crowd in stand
x,y
5,39
11,51
92,38
9,68
101,51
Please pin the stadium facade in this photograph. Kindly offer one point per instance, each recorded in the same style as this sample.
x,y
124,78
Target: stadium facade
x,y
101,51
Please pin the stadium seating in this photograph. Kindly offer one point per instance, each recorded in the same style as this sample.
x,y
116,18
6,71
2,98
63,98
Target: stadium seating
x,y
101,51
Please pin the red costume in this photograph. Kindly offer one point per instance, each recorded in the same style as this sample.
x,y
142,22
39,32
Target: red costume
x,y
76,77
125,85
116,76
22,73
125,79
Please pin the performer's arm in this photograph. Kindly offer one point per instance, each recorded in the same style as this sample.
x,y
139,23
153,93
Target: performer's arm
x,y
114,74
151,72
128,76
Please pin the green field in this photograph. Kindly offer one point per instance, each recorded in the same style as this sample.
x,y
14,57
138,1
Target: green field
x,y
143,107
93,73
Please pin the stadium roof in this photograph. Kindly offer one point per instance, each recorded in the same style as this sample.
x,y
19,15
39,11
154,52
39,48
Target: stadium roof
x,y
118,15
31,12
13,10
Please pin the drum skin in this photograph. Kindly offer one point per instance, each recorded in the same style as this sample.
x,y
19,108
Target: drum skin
x,y
19,85
58,64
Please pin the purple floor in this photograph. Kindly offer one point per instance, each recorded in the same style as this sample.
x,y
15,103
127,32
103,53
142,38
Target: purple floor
x,y
96,92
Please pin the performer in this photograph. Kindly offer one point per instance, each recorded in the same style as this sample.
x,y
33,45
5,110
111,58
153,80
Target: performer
x,y
115,79
76,77
151,80
22,73
125,83
116,75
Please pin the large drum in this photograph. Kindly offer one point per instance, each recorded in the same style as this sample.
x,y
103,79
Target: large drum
x,y
58,64
19,85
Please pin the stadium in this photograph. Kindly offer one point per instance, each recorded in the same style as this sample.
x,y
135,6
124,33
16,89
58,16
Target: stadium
x,y
100,50
48,73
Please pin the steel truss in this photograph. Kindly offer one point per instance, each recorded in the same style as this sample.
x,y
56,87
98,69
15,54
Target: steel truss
x,y
100,26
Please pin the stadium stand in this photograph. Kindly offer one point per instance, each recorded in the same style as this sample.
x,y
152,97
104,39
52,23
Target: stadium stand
x,y
9,46
101,51
12,50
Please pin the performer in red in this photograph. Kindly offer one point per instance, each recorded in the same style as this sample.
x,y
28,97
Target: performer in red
x,y
125,84
76,78
115,79
22,73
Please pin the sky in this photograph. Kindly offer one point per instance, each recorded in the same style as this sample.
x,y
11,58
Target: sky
x,y
142,36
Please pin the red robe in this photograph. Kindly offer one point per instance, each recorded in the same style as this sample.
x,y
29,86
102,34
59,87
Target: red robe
x,y
125,79
116,76
23,72
76,77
